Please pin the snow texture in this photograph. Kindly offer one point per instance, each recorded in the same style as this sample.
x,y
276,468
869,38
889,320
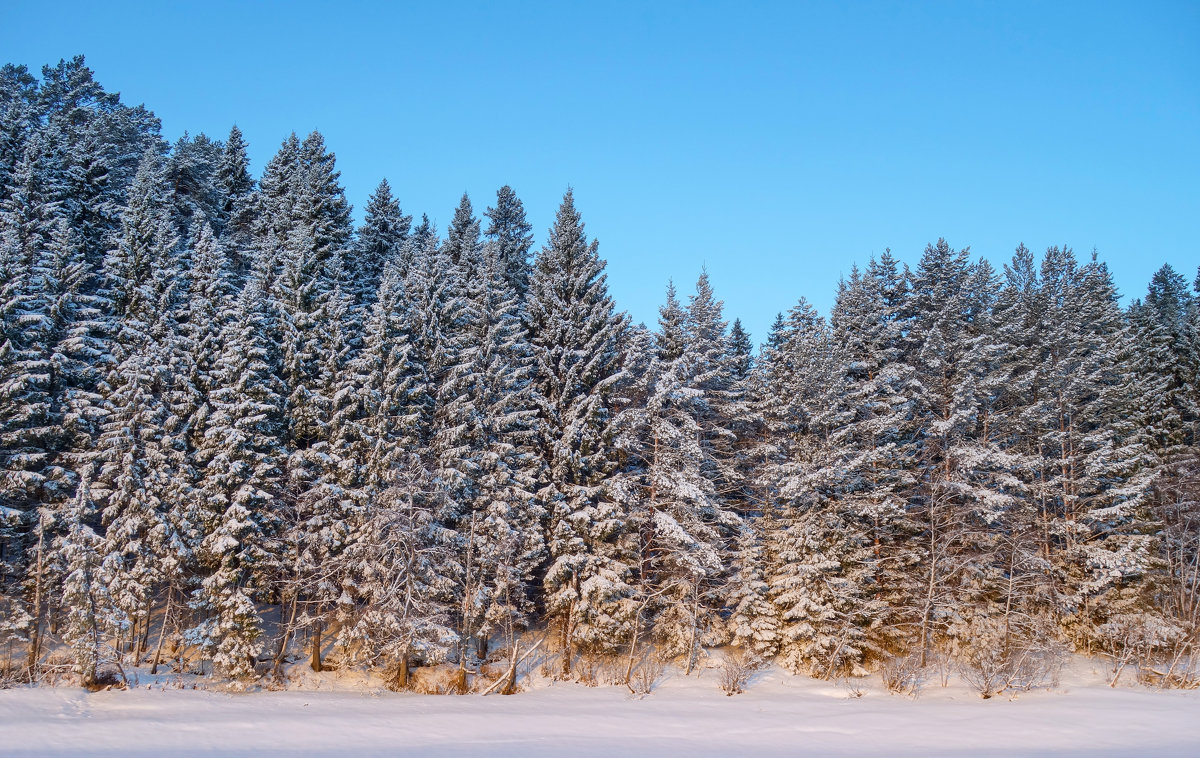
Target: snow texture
x,y
779,715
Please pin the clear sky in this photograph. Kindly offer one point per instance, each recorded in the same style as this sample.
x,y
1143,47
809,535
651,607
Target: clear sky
x,y
775,143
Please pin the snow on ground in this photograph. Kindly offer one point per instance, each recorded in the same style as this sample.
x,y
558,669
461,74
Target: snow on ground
x,y
779,715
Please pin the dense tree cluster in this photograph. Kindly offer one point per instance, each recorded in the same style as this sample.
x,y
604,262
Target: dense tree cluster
x,y
233,425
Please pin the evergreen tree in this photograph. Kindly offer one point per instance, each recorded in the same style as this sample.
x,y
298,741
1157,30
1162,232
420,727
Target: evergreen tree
x,y
30,235
681,519
576,335
391,379
753,619
142,451
18,119
504,527
513,236
242,461
191,171
712,373
380,239
814,570
87,605
742,350
938,345
235,191
872,436
104,143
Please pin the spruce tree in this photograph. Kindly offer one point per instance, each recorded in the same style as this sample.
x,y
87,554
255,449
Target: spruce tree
x,y
241,457
681,519
576,335
380,239
513,236
88,611
873,441
143,471
742,349
234,188
191,171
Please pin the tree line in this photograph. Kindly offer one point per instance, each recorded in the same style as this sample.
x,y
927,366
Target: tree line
x,y
227,411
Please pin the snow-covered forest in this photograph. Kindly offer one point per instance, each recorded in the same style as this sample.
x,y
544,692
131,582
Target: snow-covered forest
x,y
238,431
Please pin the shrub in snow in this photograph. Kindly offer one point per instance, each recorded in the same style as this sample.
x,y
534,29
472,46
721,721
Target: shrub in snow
x,y
903,674
647,675
735,670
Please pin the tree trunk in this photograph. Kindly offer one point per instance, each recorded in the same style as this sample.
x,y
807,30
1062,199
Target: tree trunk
x,y
637,626
401,680
927,614
143,643
35,636
510,678
566,644
695,624
315,659
162,633
283,638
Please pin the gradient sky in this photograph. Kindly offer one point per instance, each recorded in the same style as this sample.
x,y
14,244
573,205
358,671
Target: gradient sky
x,y
775,143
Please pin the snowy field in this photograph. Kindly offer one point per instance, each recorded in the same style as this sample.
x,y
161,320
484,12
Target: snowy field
x,y
779,715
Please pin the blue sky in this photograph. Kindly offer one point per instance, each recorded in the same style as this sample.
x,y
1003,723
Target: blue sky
x,y
775,143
